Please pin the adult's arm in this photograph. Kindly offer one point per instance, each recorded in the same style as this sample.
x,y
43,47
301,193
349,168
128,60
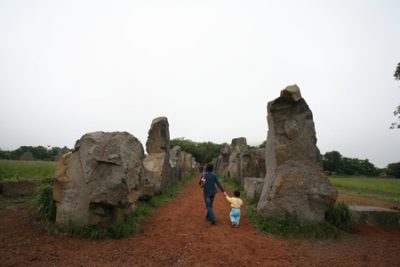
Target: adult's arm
x,y
219,184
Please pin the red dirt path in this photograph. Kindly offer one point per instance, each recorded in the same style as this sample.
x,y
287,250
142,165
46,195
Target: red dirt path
x,y
179,235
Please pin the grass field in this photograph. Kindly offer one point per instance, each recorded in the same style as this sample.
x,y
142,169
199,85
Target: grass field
x,y
378,188
19,169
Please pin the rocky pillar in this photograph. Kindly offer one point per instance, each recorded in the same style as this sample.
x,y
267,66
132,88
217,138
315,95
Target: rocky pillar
x,y
294,182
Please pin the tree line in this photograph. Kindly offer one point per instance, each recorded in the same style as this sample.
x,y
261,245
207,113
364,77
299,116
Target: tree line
x,y
334,163
34,153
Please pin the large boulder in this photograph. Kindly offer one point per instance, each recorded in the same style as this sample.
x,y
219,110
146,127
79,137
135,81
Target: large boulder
x,y
98,183
295,182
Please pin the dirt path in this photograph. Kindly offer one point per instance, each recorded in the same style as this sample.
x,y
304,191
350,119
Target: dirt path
x,y
179,235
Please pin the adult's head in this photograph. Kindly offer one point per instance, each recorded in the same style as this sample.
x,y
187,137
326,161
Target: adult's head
x,y
209,167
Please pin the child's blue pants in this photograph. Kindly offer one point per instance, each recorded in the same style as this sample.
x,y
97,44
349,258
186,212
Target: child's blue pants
x,y
235,216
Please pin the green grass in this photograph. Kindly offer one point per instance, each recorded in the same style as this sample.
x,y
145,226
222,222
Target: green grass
x,y
20,169
43,210
379,188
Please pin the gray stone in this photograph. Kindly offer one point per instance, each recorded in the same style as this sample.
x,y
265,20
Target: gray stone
x,y
98,183
239,160
253,187
376,216
294,181
157,168
158,138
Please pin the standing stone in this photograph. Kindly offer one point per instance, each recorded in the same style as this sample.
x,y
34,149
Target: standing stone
x,y
176,164
157,168
221,163
98,183
187,159
294,182
253,187
158,137
238,146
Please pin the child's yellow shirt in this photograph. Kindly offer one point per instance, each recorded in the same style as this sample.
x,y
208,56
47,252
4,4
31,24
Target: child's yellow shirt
x,y
235,202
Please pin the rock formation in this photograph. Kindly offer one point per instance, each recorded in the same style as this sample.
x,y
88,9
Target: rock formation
x,y
157,168
98,183
294,182
238,160
253,187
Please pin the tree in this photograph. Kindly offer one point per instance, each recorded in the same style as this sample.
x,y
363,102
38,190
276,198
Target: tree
x,y
203,152
332,161
396,112
397,72
393,169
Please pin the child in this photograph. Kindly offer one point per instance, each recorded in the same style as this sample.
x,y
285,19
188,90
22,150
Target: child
x,y
236,203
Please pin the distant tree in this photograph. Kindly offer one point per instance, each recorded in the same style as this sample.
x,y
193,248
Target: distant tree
x,y
203,152
397,72
332,161
34,153
396,112
393,169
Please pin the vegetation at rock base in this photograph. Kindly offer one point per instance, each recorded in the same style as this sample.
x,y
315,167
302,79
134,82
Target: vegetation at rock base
x,y
21,169
43,207
43,210
338,218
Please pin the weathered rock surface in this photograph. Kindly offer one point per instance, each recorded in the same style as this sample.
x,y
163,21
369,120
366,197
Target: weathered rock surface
x,y
253,187
238,160
294,182
157,169
158,138
98,183
376,216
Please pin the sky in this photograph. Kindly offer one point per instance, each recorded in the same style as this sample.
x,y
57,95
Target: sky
x,y
72,67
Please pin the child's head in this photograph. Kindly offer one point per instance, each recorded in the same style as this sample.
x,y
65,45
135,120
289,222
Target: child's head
x,y
236,193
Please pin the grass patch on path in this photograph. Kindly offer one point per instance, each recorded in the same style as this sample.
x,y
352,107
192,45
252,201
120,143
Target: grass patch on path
x,y
21,169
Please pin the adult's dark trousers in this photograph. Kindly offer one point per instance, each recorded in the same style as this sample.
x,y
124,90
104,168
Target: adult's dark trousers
x,y
209,205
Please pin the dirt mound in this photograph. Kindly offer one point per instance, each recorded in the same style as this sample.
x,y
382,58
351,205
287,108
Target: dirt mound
x,y
179,235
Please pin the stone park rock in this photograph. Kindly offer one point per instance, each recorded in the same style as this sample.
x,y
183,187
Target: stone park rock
x,y
238,160
157,168
294,182
98,183
253,187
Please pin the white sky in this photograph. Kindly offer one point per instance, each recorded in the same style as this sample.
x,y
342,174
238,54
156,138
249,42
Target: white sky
x,y
72,67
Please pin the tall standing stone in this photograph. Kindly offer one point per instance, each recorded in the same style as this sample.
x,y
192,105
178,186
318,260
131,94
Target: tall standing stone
x,y
294,181
98,183
157,168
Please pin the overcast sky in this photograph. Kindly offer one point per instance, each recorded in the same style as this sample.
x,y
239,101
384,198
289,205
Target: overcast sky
x,y
211,67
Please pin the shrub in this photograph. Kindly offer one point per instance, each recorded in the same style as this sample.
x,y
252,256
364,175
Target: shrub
x,y
43,206
340,216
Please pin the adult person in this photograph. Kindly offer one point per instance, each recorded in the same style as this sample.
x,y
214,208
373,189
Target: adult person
x,y
210,190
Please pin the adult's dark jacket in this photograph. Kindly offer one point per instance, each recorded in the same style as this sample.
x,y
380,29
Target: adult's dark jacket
x,y
209,187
